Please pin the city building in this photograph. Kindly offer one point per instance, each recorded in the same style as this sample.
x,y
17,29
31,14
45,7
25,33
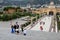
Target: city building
x,y
49,9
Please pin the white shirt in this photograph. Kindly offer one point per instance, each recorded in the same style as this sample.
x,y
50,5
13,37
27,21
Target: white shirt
x,y
24,31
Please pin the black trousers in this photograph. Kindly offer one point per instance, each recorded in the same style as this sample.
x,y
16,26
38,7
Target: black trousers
x,y
24,34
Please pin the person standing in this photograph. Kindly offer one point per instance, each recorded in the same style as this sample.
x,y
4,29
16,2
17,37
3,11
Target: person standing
x,y
24,32
43,23
12,29
41,28
17,27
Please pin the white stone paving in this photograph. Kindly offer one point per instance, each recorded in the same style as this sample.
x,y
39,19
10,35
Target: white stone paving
x,y
5,33
46,26
7,24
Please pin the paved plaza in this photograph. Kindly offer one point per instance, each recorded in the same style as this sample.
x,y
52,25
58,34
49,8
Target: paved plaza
x,y
5,32
45,23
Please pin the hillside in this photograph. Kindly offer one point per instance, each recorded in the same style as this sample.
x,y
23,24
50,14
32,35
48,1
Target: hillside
x,y
25,2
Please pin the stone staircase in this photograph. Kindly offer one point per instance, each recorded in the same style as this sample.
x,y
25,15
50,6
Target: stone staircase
x,y
5,34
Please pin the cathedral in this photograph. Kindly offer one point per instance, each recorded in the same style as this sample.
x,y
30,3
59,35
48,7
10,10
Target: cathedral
x,y
50,9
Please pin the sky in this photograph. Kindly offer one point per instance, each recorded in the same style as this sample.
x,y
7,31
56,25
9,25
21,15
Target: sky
x,y
1,1
14,0
11,0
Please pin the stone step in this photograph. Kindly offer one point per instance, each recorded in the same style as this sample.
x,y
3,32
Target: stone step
x,y
5,34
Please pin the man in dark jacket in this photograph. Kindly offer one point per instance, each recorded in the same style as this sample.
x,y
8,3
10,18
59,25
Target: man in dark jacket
x,y
16,26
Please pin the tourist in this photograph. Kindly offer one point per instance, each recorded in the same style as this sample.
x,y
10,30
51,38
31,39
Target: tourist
x,y
43,23
12,29
41,28
40,23
24,32
16,26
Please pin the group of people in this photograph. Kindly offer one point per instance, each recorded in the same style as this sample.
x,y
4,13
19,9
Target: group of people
x,y
15,29
42,23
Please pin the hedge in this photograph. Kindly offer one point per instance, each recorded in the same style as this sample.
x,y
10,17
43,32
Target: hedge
x,y
58,23
26,24
7,17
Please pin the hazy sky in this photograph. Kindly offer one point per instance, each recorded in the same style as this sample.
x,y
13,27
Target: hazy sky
x,y
11,0
17,0
1,1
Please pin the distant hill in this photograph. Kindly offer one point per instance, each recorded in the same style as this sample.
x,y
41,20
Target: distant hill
x,y
25,2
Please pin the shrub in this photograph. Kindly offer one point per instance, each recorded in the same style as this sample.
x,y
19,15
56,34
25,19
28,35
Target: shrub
x,y
0,18
5,17
1,13
26,24
34,19
58,25
15,15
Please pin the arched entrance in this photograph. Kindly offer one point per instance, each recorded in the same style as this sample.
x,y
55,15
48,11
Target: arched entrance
x,y
51,12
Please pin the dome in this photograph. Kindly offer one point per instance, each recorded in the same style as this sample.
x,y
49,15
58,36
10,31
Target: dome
x,y
51,3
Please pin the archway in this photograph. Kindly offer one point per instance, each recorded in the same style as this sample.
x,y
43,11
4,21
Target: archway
x,y
51,13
